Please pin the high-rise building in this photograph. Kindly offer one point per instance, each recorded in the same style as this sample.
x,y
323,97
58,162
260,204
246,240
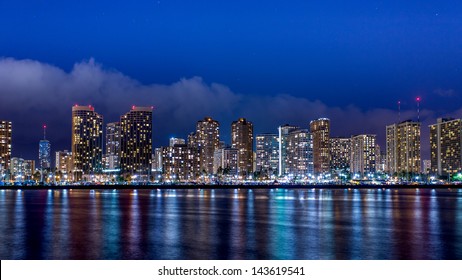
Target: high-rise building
x,y
267,154
242,140
29,169
445,147
176,141
136,142
340,151
177,163
427,166
17,171
403,148
193,144
320,129
87,142
5,146
64,167
112,156
284,131
157,160
299,153
44,151
206,140
363,153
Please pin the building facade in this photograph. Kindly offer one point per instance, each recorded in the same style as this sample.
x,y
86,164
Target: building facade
x,y
445,147
299,154
5,146
17,169
284,131
363,155
136,143
177,163
112,151
242,140
87,142
205,141
320,129
63,164
340,152
267,154
44,154
403,148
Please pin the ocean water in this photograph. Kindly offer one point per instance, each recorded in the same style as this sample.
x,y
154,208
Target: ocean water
x,y
231,224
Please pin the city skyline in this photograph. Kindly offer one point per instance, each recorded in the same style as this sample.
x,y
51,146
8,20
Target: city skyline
x,y
272,63
224,138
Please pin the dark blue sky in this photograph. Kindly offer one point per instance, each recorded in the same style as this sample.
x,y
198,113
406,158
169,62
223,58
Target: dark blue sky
x,y
366,54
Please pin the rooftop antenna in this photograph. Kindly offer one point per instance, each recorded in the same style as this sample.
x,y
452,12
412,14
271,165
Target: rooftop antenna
x,y
418,108
399,111
44,132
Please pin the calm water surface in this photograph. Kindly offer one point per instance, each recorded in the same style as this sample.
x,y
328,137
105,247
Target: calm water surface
x,y
231,224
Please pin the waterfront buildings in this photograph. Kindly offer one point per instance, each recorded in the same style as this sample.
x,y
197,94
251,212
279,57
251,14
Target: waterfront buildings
x,y
112,155
242,140
5,146
299,152
363,155
29,169
17,171
226,162
44,152
177,163
136,143
267,154
340,152
87,142
403,148
284,131
63,164
320,129
205,141
445,147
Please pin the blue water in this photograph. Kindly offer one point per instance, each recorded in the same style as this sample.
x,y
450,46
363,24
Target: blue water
x,y
231,224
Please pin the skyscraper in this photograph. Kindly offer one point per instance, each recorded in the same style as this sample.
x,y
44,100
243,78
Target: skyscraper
x,y
363,152
299,153
242,140
403,148
87,142
112,156
445,147
44,152
206,140
320,129
5,146
136,142
284,131
267,154
340,151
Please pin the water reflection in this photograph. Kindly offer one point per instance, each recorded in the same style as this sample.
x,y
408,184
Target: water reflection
x,y
231,224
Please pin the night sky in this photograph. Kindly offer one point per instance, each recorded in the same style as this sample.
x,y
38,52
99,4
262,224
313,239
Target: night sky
x,y
273,62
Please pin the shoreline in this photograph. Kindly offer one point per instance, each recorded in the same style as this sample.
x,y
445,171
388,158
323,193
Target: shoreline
x,y
229,187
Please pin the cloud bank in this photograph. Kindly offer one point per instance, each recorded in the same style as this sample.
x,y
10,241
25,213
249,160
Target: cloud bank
x,y
33,93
